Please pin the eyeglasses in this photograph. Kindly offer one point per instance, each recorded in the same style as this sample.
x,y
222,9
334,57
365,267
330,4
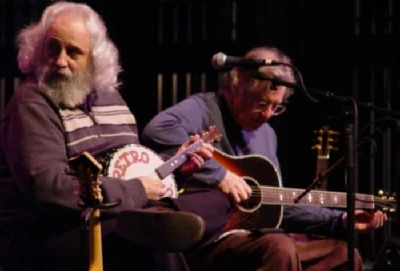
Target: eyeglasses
x,y
276,108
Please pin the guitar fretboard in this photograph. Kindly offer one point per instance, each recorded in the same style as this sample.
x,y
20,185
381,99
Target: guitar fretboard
x,y
286,196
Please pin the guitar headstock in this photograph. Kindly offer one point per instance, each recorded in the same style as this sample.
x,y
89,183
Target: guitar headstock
x,y
88,170
387,202
212,134
326,140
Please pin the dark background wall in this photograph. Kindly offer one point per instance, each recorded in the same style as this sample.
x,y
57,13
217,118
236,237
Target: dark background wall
x,y
347,47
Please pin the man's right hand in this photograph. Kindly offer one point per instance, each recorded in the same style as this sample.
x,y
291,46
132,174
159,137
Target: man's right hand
x,y
154,188
235,187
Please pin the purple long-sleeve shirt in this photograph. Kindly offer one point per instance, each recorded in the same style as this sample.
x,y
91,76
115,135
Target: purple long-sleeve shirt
x,y
38,189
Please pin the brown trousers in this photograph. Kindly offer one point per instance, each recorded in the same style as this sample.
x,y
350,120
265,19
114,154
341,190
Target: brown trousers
x,y
273,251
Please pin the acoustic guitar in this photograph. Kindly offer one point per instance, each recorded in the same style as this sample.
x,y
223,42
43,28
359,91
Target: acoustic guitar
x,y
325,141
265,206
88,170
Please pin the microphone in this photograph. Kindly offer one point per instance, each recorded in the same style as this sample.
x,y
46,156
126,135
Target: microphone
x,y
222,61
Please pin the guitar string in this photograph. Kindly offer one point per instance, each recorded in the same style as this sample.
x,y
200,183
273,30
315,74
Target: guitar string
x,y
271,191
329,196
318,199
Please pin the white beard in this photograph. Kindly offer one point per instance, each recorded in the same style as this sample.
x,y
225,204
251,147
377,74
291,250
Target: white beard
x,y
69,92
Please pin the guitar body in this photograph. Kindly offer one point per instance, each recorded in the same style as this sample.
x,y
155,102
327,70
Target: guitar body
x,y
264,207
257,171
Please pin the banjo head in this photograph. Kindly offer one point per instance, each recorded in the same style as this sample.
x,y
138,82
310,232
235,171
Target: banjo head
x,y
132,161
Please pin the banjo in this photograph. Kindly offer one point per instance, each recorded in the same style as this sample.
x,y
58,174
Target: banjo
x,y
134,160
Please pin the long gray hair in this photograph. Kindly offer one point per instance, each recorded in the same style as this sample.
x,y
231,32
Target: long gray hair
x,y
104,54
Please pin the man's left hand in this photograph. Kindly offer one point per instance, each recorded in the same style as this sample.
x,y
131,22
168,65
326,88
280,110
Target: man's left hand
x,y
196,158
365,222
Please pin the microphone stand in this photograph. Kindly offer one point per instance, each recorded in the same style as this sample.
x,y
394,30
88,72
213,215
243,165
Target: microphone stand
x,y
350,132
350,138
326,94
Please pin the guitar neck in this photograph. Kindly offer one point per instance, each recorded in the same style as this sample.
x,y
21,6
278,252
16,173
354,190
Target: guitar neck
x,y
177,160
88,170
322,166
95,242
286,196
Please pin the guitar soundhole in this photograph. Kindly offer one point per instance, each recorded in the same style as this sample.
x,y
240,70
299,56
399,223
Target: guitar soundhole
x,y
254,202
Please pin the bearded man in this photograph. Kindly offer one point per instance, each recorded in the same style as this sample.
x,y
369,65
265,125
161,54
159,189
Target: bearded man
x,y
69,104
